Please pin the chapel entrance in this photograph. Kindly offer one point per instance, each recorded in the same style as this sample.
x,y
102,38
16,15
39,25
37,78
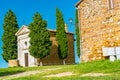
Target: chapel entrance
x,y
26,59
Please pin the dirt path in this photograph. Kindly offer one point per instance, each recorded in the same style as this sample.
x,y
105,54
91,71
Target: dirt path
x,y
94,74
61,74
23,74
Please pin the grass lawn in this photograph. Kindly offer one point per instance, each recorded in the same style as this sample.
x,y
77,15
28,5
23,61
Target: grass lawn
x,y
10,71
105,67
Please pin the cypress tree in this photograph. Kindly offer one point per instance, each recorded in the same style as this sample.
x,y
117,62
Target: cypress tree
x,y
9,39
77,33
40,38
61,36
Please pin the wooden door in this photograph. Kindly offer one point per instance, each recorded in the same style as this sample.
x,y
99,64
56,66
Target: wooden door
x,y
26,59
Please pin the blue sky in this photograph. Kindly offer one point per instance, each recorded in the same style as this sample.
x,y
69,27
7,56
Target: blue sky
x,y
25,9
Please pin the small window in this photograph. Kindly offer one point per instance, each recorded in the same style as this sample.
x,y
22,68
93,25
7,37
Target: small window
x,y
111,4
26,43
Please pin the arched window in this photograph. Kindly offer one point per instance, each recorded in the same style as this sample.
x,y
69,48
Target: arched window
x,y
26,43
111,4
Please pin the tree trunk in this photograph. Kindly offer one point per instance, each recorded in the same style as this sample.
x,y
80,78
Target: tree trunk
x,y
38,61
63,62
41,64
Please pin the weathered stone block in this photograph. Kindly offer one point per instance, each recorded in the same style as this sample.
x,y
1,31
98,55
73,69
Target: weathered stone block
x,y
13,63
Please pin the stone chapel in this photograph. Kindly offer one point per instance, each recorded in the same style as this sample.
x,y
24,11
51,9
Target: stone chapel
x,y
24,57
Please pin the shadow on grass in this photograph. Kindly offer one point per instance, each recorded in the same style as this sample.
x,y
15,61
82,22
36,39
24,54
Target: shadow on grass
x,y
9,73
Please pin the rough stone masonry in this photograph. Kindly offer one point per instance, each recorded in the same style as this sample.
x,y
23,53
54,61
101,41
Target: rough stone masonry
x,y
99,22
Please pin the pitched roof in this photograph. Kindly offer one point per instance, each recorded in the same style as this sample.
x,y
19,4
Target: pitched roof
x,y
24,29
78,3
55,31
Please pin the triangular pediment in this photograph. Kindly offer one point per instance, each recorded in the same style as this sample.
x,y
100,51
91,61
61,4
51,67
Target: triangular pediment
x,y
23,30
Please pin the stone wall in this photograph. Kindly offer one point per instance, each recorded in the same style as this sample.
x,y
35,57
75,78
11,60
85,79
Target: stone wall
x,y
13,63
53,58
100,26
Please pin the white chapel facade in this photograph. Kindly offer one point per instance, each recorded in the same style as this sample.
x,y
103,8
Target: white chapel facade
x,y
24,57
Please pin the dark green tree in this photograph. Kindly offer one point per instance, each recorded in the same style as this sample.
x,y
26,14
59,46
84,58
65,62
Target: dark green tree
x,y
77,33
61,36
40,38
9,39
